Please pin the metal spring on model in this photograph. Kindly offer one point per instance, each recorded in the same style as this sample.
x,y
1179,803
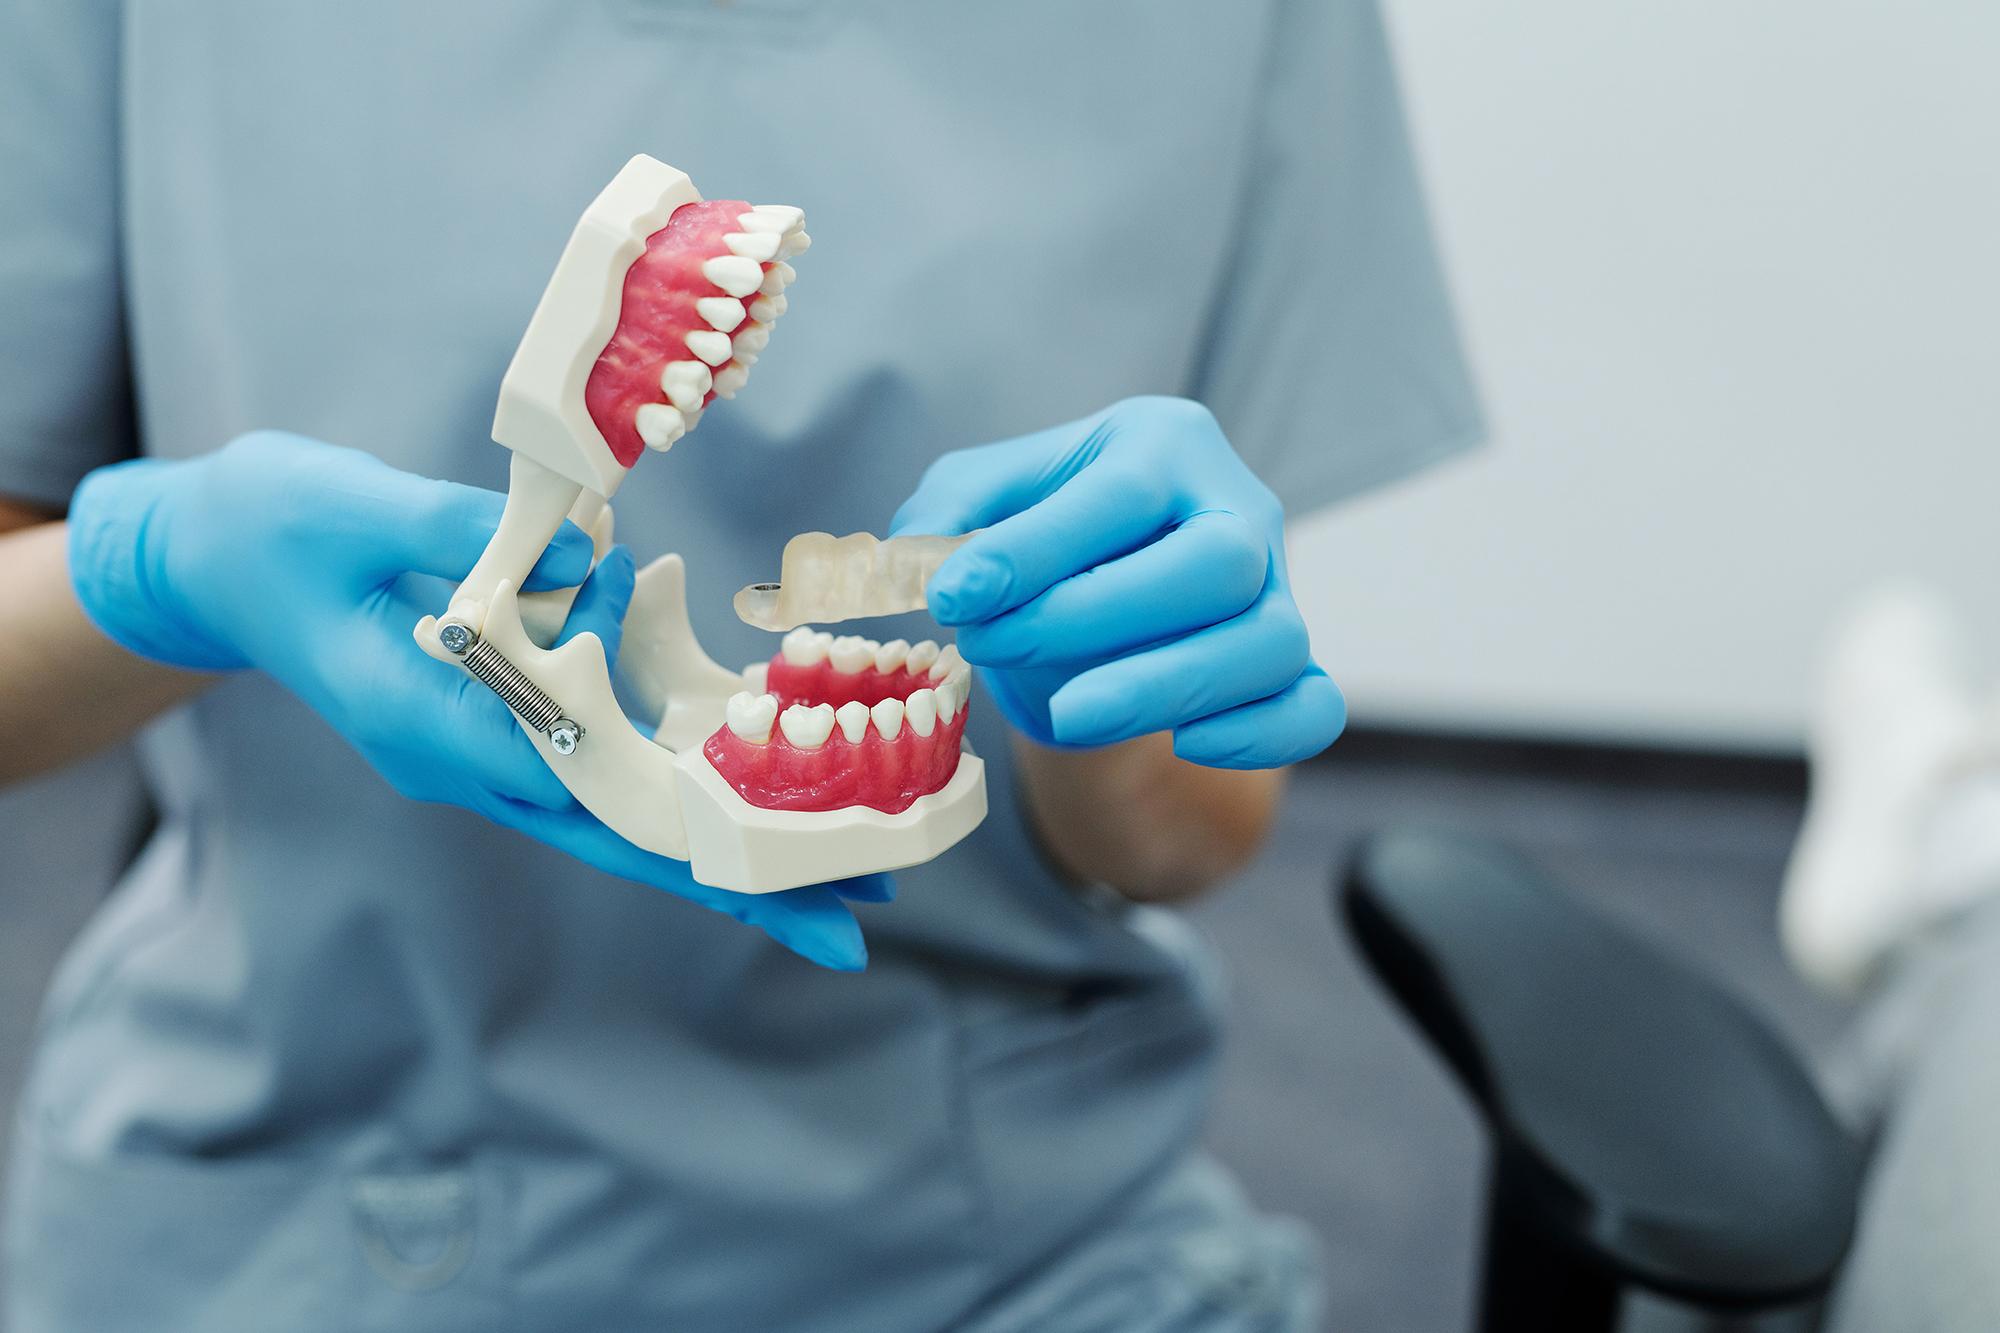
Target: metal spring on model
x,y
522,695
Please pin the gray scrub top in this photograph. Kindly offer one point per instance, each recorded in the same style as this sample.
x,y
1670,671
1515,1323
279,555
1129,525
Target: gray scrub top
x,y
331,1059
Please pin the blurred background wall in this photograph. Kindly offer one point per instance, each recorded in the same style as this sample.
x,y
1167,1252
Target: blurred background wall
x,y
1728,276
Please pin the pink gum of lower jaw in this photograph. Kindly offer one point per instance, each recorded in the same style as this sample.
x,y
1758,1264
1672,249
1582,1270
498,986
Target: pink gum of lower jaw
x,y
655,315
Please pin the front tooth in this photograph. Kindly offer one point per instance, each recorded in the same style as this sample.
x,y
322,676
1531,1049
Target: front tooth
x,y
888,717
921,658
802,648
853,719
753,339
734,274
768,308
780,276
723,313
947,662
795,243
922,710
686,383
806,727
710,346
750,715
780,217
890,655
659,425
849,653
731,378
757,245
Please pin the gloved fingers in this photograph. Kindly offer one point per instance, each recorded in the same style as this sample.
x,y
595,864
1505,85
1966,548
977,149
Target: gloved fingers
x,y
398,522
970,488
601,603
1207,570
867,889
811,922
1292,725
1108,510
1250,657
475,733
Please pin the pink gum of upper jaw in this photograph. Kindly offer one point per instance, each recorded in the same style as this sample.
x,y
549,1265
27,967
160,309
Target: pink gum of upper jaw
x,y
655,315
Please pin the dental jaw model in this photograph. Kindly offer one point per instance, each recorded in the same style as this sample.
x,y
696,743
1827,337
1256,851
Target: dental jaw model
x,y
660,304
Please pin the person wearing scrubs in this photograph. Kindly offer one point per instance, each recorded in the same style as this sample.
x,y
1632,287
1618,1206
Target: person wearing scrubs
x,y
381,1030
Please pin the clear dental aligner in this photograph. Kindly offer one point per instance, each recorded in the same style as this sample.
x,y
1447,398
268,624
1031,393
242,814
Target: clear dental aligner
x,y
826,578
846,721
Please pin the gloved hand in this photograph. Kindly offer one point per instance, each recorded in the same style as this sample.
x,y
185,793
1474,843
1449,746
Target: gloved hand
x,y
1131,579
288,555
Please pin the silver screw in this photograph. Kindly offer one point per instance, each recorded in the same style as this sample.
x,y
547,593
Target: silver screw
x,y
564,735
456,638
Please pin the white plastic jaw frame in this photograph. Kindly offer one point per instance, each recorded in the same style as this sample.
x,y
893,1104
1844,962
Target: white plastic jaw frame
x,y
658,791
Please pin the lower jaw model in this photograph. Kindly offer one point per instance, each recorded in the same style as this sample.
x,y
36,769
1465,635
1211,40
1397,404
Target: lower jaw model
x,y
838,756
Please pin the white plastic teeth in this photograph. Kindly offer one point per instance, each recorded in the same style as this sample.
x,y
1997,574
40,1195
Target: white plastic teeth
x,y
891,655
734,274
757,245
752,340
793,244
730,379
750,716
723,313
807,728
851,654
853,719
766,309
947,664
686,383
920,659
921,709
778,277
659,425
757,675
710,346
888,716
774,218
804,647
948,698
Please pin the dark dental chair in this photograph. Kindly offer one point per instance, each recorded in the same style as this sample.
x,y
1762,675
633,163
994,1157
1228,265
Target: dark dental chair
x,y
1647,1131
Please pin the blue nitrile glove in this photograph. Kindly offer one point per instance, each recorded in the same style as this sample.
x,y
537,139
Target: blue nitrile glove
x,y
288,555
1131,579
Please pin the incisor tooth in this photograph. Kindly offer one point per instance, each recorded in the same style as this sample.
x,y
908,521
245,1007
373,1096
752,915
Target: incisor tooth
x,y
686,383
780,276
850,653
802,648
947,700
750,715
783,216
891,654
659,425
806,727
888,717
752,340
921,657
795,243
922,711
853,719
765,309
731,378
734,274
757,245
710,346
947,662
723,313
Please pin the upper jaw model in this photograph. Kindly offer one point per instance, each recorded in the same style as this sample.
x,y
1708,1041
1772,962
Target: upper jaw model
x,y
839,756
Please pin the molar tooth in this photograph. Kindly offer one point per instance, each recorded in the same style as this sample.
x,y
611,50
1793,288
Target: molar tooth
x,y
824,639
806,727
757,245
731,378
947,662
686,383
766,309
693,418
888,717
710,346
734,274
921,709
795,243
659,425
780,276
802,648
753,339
750,715
783,217
723,313
853,719
921,657
849,653
891,654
